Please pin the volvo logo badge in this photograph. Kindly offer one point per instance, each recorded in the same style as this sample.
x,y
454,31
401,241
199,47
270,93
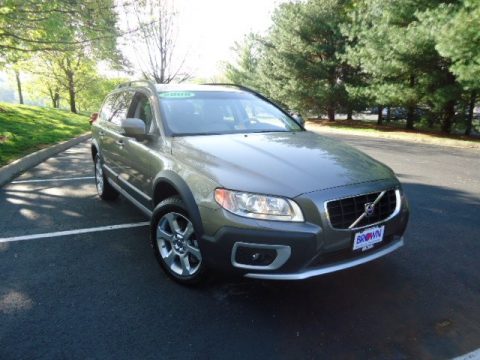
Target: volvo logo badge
x,y
369,209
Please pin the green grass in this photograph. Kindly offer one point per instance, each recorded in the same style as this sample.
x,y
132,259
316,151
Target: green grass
x,y
25,129
370,126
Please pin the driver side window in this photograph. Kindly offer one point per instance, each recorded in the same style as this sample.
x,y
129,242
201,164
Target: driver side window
x,y
142,110
120,104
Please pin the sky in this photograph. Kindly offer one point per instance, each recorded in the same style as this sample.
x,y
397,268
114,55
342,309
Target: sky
x,y
207,29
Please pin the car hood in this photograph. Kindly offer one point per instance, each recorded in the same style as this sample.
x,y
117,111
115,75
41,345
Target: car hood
x,y
286,164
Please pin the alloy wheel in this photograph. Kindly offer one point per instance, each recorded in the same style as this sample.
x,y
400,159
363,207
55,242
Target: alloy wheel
x,y
177,244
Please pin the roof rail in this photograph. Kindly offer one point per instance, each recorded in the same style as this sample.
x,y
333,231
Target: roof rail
x,y
146,83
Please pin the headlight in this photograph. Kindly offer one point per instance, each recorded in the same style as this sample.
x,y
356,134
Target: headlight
x,y
258,206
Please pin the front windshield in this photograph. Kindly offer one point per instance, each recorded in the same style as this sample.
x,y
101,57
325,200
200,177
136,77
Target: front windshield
x,y
221,112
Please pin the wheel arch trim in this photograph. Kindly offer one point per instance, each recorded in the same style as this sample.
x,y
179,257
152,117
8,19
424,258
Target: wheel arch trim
x,y
182,188
94,146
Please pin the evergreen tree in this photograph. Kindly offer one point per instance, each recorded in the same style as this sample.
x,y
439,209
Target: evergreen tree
x,y
302,64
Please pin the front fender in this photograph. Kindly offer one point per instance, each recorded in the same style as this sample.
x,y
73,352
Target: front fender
x,y
174,180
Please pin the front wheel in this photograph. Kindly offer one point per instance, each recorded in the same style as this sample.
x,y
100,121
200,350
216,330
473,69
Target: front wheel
x,y
175,242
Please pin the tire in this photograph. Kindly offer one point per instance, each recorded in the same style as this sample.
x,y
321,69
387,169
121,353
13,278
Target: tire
x,y
104,189
175,243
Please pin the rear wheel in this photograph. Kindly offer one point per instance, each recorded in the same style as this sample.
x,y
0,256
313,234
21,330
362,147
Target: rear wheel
x,y
175,242
104,189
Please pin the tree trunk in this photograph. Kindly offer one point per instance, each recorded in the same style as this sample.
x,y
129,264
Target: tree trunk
x,y
430,120
55,97
50,93
471,107
19,87
448,115
71,92
331,113
380,115
410,117
411,108
389,114
350,114
449,107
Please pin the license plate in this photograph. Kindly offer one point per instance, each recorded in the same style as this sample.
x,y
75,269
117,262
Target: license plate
x,y
367,238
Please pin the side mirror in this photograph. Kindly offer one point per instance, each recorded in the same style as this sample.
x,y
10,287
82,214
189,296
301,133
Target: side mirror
x,y
133,127
298,118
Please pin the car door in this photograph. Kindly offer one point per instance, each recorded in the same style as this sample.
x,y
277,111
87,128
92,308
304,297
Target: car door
x,y
137,170
102,133
113,139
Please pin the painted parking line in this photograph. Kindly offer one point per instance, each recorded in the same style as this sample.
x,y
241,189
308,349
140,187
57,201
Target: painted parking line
x,y
47,180
474,355
73,232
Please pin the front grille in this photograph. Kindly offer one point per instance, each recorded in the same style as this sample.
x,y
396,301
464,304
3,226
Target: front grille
x,y
342,213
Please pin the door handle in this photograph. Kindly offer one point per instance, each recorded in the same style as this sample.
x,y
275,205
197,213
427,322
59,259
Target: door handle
x,y
101,133
119,143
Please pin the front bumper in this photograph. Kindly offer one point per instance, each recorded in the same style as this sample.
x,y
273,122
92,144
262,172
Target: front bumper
x,y
305,249
330,267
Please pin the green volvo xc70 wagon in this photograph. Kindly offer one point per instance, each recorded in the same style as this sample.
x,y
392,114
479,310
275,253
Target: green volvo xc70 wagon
x,y
233,183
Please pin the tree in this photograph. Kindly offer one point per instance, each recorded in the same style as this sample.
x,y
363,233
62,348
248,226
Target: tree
x,y
49,81
37,25
68,72
302,62
395,44
42,83
14,62
245,71
460,43
154,41
69,35
93,94
460,39
373,29
443,91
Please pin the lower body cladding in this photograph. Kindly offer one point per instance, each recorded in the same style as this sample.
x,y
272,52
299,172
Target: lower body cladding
x,y
296,251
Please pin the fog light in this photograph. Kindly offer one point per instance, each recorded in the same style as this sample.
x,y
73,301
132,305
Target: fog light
x,y
259,256
255,256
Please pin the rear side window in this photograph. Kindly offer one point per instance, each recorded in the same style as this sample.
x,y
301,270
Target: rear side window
x,y
116,106
107,108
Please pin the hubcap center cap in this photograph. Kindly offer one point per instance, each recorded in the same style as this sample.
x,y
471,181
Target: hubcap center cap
x,y
179,244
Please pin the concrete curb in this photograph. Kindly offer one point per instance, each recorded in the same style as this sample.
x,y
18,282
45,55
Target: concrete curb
x,y
12,170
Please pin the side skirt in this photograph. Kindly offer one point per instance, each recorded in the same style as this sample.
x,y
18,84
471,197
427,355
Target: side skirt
x,y
135,202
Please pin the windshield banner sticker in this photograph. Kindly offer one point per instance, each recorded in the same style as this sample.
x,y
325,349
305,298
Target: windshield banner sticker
x,y
177,94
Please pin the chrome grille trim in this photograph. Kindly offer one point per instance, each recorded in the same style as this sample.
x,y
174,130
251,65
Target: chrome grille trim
x,y
360,218
396,211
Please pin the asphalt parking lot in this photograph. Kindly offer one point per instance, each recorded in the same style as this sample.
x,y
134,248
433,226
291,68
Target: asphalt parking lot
x,y
78,278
